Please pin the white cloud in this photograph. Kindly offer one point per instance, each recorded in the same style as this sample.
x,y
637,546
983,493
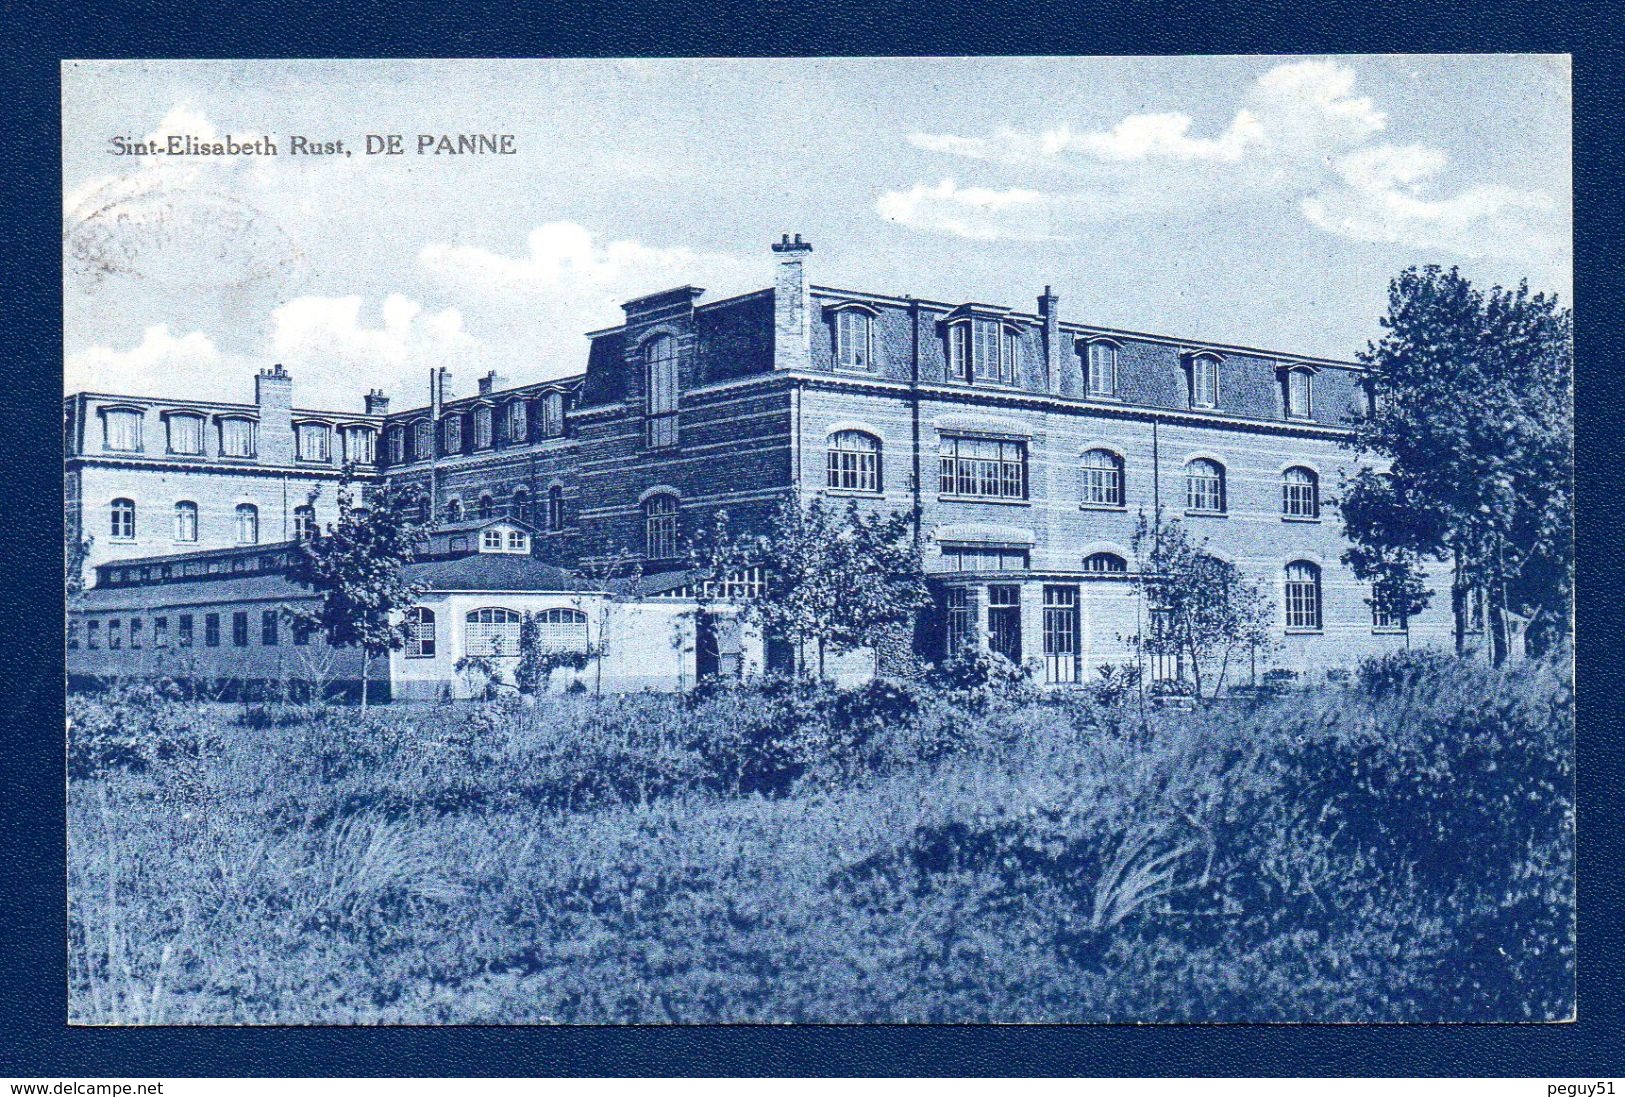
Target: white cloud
x,y
1301,136
162,363
975,213
536,307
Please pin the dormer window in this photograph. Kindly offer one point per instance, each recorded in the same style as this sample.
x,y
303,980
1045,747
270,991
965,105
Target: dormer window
x,y
553,414
1299,390
397,446
358,445
660,359
1102,368
491,541
482,427
315,442
854,338
454,433
121,430
236,437
1204,381
422,440
983,349
185,433
518,426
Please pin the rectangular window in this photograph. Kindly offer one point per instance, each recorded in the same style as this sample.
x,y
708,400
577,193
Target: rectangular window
x,y
852,337
984,558
93,634
491,540
516,541
1386,614
121,431
301,633
73,635
1102,369
239,629
183,630
553,414
454,435
135,632
236,438
959,352
1061,634
268,632
211,630
185,434
1205,382
160,632
1004,621
961,620
482,428
518,428
358,446
115,634
983,468
315,442
420,634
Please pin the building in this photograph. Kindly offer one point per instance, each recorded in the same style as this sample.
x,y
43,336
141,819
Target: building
x,y
1023,445
146,477
219,618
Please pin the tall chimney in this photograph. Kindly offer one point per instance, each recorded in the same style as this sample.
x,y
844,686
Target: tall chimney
x,y
792,305
273,396
489,382
377,402
1049,308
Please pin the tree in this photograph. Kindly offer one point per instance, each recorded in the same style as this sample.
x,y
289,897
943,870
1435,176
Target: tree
x,y
534,672
837,579
1204,611
357,568
1471,423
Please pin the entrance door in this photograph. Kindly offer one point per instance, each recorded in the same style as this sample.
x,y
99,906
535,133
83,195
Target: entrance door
x,y
1004,621
1060,635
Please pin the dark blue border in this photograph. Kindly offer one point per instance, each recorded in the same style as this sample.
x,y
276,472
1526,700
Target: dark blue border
x,y
33,1039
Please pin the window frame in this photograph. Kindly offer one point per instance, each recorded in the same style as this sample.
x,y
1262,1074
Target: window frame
x,y
1289,403
951,479
662,391
486,619
1105,487
1204,366
1301,596
251,512
198,422
186,521
1300,499
851,469
484,427
321,434
247,429
418,645
846,317
662,526
122,526
133,416
1220,478
1095,563
1095,349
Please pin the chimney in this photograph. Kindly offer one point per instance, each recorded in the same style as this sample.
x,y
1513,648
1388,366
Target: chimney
x,y
1049,308
377,403
273,396
792,306
489,382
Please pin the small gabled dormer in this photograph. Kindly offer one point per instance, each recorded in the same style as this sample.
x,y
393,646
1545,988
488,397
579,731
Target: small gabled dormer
x,y
501,536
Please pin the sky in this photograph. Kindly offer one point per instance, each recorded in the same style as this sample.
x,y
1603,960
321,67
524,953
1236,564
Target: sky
x,y
1262,201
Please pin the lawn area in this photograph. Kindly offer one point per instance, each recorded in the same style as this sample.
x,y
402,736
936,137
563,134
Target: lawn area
x,y
1400,849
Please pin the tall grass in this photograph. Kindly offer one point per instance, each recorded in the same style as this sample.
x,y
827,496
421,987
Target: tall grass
x,y
1398,851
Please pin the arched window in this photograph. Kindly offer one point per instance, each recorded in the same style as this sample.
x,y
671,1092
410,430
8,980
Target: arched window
x,y
518,422
1105,563
491,632
123,515
555,508
854,460
304,522
185,433
1204,487
519,506
185,521
660,357
854,338
454,510
553,414
1299,393
1300,493
1102,479
420,633
422,440
482,427
1302,595
660,527
1102,368
487,508
248,524
1204,381
561,630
